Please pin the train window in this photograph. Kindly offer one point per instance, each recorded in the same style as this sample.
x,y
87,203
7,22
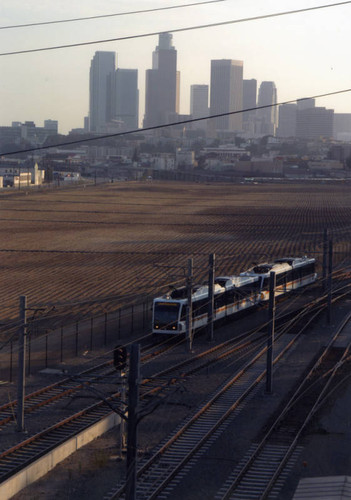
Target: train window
x,y
183,312
282,278
166,313
219,300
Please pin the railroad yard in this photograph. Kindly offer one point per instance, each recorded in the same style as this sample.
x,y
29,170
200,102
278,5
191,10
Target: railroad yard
x,y
80,253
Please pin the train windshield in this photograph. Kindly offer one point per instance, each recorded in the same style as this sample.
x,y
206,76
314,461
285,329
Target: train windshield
x,y
166,314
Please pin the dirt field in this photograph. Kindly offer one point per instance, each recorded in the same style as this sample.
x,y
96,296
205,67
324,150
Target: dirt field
x,y
104,244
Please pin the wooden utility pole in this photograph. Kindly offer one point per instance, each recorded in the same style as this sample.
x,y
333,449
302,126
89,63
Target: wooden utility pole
x,y
21,384
132,442
211,275
270,339
189,310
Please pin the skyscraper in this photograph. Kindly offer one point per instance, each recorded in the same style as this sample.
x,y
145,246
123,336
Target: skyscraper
x,y
314,123
101,90
162,83
199,104
287,120
226,93
268,117
249,102
127,97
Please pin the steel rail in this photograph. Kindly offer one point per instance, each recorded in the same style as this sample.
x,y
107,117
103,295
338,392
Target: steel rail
x,y
65,387
197,442
286,453
60,425
49,437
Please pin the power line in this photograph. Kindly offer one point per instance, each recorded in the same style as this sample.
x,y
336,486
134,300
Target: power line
x,y
172,124
176,30
102,16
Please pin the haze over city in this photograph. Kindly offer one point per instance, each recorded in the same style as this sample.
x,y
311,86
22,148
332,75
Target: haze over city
x,y
304,54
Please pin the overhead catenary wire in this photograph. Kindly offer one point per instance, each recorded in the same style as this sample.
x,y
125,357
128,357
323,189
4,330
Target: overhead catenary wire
x,y
172,124
104,16
177,30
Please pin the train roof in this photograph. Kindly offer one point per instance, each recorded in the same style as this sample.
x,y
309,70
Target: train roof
x,y
235,281
199,292
296,261
278,266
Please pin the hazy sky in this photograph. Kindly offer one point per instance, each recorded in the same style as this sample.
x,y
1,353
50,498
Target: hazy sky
x,y
304,54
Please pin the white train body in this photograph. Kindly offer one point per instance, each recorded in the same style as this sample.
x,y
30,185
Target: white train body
x,y
232,294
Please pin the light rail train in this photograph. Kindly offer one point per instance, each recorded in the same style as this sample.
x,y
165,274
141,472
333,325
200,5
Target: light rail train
x,y
232,294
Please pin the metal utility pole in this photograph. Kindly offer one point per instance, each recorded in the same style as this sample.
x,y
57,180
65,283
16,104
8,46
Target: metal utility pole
x,y
123,434
189,310
325,259
22,339
330,272
211,275
133,400
270,339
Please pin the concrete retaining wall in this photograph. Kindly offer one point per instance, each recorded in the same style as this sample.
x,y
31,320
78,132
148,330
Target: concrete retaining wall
x,y
43,465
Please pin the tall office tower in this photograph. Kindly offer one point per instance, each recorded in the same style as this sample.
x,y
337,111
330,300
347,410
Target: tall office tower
x,y
268,117
342,126
314,123
199,104
127,97
102,71
226,93
249,102
162,83
51,125
307,103
287,120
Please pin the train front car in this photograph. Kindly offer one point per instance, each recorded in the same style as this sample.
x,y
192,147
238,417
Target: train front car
x,y
167,314
169,310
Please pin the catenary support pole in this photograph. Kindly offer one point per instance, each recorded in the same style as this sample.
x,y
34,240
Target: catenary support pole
x,y
330,272
211,275
325,259
132,444
189,310
270,339
21,363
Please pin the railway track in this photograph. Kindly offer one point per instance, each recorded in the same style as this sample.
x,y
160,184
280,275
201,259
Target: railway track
x,y
262,473
156,476
68,386
105,372
22,454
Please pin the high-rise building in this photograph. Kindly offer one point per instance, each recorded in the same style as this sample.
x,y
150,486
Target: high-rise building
x,y
249,102
314,123
51,125
199,104
162,83
306,103
102,70
226,93
287,120
268,116
127,98
342,126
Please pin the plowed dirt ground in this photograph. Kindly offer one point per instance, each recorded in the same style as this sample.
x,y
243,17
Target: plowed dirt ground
x,y
88,250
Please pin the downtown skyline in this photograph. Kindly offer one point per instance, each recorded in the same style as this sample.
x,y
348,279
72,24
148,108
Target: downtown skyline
x,y
303,57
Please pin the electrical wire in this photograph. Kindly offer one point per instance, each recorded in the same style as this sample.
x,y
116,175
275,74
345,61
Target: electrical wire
x,y
177,30
104,16
172,124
